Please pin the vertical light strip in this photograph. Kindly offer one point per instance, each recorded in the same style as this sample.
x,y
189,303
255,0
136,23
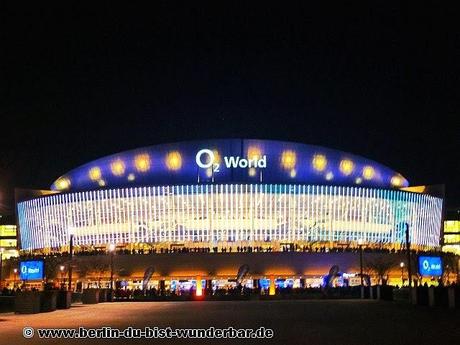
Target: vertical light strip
x,y
156,215
289,213
106,218
424,235
208,216
192,229
270,211
37,224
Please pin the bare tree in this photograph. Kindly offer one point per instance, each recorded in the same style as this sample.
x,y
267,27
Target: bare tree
x,y
125,271
97,266
52,264
450,263
8,266
380,266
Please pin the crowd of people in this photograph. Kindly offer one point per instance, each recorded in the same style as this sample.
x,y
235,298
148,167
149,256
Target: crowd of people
x,y
222,249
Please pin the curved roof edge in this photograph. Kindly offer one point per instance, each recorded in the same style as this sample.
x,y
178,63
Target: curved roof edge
x,y
234,160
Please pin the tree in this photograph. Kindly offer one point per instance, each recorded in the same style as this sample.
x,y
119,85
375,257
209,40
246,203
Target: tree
x,y
380,266
97,266
125,271
8,266
52,264
450,263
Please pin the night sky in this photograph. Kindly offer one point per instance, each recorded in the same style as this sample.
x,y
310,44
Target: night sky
x,y
80,83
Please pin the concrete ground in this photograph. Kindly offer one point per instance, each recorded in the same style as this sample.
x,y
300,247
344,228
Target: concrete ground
x,y
294,322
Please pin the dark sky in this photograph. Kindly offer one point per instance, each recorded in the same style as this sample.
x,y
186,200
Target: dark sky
x,y
80,83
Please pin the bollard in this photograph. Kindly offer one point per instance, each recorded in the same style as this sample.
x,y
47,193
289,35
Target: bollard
x,y
413,295
431,302
451,297
90,296
371,292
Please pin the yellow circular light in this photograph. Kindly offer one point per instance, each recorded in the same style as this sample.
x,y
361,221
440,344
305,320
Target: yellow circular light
x,y
173,160
319,162
118,167
358,180
62,183
131,177
293,173
252,172
396,181
346,166
254,152
142,162
95,173
288,159
216,156
368,172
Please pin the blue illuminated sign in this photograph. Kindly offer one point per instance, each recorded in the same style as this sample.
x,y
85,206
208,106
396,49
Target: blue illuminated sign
x,y
430,265
264,283
31,270
284,283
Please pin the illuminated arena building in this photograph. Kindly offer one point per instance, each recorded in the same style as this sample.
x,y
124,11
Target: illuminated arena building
x,y
230,193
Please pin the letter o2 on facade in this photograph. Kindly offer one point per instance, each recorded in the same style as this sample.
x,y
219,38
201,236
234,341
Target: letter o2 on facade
x,y
199,161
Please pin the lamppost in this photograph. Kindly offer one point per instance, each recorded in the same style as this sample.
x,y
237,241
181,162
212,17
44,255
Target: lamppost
x,y
61,268
71,257
402,273
360,244
112,252
1,267
15,271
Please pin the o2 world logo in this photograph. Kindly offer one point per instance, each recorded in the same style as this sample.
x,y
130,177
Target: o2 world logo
x,y
205,159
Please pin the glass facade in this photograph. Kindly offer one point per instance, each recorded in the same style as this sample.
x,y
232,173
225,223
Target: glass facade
x,y
451,236
230,213
8,240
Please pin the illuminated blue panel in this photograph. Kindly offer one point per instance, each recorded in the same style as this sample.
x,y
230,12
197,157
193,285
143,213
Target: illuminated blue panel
x,y
235,161
31,270
430,265
284,283
264,283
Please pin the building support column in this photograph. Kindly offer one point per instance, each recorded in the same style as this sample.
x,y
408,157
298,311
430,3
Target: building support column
x,y
451,297
199,287
431,301
272,290
413,296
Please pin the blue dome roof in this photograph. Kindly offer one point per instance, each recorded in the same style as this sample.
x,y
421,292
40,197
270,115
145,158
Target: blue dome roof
x,y
229,161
